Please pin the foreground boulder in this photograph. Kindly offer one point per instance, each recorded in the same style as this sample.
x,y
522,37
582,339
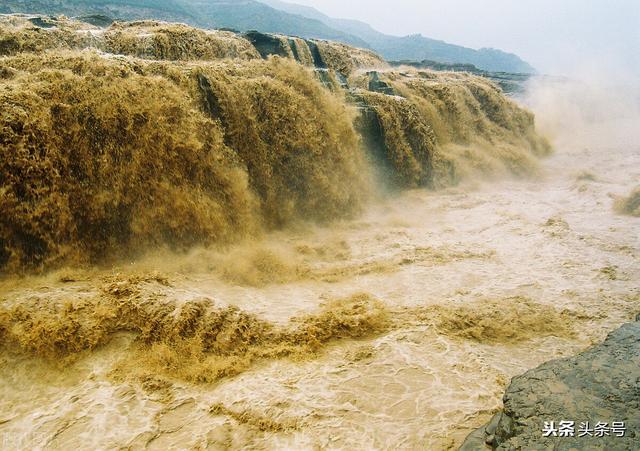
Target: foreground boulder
x,y
600,385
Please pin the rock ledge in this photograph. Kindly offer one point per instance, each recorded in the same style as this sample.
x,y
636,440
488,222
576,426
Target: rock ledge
x,y
601,384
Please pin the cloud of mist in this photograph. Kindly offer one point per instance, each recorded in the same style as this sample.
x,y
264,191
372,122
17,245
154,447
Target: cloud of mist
x,y
598,105
557,37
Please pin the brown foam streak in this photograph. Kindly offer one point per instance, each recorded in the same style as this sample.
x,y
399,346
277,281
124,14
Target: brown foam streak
x,y
195,340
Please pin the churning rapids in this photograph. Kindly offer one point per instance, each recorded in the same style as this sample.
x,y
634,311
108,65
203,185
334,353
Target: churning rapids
x,y
446,296
302,309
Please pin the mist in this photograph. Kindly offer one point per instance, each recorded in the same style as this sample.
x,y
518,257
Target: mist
x,y
594,107
562,38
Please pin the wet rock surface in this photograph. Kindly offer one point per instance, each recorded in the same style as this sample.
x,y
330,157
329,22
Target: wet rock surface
x,y
378,85
267,44
600,385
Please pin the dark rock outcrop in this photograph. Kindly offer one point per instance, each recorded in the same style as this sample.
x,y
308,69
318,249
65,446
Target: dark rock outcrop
x,y
378,85
319,54
315,54
370,128
42,22
600,385
98,20
267,44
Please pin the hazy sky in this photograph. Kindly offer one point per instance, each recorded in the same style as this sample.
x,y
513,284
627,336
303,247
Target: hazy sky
x,y
556,36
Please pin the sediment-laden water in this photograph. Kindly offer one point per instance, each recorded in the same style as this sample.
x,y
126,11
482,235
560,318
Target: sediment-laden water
x,y
396,329
300,305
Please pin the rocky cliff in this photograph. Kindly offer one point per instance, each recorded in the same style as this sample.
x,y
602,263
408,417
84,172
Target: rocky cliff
x,y
598,386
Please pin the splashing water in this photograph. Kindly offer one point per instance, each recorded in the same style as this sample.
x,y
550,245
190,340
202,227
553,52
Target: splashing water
x,y
396,328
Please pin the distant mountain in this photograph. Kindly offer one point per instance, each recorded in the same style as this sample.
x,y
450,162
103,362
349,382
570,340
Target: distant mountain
x,y
252,15
413,47
241,15
275,16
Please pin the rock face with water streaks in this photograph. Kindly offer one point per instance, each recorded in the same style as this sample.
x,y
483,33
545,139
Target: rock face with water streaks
x,y
601,384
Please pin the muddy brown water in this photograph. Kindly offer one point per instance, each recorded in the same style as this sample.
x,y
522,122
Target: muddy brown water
x,y
476,284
